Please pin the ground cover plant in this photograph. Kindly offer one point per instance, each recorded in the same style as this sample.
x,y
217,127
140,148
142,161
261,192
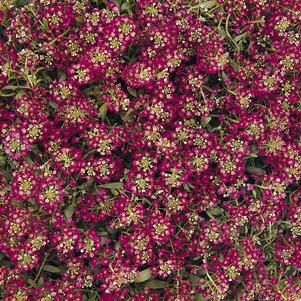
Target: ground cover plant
x,y
150,150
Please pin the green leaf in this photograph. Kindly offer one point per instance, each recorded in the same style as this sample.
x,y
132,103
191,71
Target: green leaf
x,y
79,19
103,110
143,276
45,23
127,7
93,296
89,184
256,170
102,233
22,2
126,116
198,297
70,210
117,245
118,2
241,36
186,187
53,269
254,193
62,76
132,91
29,160
7,175
7,94
251,156
215,211
209,4
114,192
19,95
205,121
205,5
53,104
224,75
194,278
32,283
35,148
3,10
32,202
113,185
2,160
41,282
156,284
2,256
13,88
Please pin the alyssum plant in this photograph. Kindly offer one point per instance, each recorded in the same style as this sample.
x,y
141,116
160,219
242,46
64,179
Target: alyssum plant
x,y
150,150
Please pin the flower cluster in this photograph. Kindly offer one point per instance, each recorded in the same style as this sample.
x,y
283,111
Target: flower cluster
x,y
150,150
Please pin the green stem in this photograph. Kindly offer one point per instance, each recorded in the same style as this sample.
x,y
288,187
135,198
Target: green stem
x,y
228,34
40,269
211,280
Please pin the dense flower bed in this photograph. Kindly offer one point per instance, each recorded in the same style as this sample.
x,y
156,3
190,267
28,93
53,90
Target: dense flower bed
x,y
150,150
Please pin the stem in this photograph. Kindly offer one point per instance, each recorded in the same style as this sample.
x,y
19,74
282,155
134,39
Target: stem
x,y
260,186
41,267
211,280
60,36
228,34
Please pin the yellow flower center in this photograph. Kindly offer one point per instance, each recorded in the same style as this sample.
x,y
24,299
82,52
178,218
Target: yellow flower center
x,y
25,185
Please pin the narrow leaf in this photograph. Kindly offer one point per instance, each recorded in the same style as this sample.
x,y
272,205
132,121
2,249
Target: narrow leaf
x,y
62,76
103,110
143,276
22,2
13,88
114,192
53,104
52,269
199,297
205,5
239,37
256,170
205,121
155,284
208,4
70,210
32,283
194,278
41,282
215,211
132,91
113,185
